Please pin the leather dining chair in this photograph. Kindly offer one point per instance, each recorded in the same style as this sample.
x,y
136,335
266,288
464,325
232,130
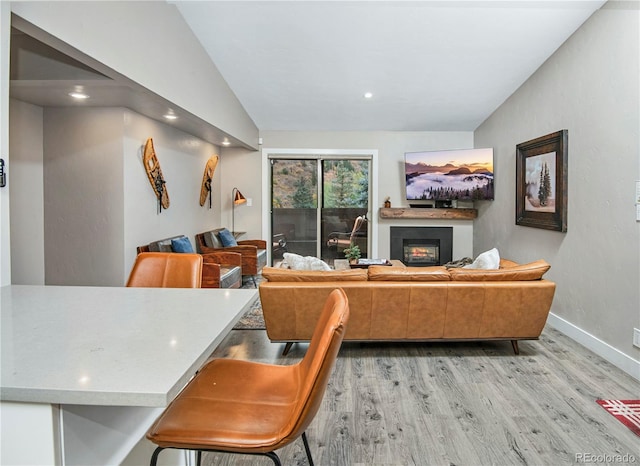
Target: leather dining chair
x,y
251,408
166,270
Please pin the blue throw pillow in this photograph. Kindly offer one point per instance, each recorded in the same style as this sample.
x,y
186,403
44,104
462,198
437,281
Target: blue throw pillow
x,y
226,238
181,245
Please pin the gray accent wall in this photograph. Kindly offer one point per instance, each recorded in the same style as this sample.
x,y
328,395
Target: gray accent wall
x,y
589,87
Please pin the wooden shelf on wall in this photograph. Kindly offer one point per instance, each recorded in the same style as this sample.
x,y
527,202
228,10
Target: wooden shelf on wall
x,y
426,213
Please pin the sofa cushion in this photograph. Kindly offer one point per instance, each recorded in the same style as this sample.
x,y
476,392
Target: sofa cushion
x,y
506,263
181,244
211,239
163,245
531,271
275,274
230,277
298,262
408,274
262,258
488,260
226,238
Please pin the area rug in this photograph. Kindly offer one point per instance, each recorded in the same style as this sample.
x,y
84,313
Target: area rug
x,y
625,411
253,318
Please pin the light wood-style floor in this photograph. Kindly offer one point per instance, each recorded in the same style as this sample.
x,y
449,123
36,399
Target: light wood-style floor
x,y
456,404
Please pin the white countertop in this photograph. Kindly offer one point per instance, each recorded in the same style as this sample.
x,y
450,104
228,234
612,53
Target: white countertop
x,y
109,346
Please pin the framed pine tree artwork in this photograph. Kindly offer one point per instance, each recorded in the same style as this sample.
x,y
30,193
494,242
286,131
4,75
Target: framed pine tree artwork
x,y
541,182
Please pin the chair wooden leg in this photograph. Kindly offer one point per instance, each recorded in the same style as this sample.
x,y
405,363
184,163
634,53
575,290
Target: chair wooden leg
x,y
154,457
287,348
306,448
514,345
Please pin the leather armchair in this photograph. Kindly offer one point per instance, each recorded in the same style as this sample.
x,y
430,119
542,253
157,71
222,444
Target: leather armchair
x,y
220,269
253,251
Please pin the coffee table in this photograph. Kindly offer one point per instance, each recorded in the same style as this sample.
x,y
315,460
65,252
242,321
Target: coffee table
x,y
343,264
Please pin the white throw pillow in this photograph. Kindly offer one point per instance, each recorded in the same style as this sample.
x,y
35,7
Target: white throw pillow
x,y
488,260
298,262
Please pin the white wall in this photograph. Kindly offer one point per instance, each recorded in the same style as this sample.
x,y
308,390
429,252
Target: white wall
x,y
27,194
5,245
98,203
182,158
590,87
242,169
83,196
391,146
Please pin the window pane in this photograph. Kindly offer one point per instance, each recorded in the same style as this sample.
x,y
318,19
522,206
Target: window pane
x,y
345,197
294,207
346,183
294,184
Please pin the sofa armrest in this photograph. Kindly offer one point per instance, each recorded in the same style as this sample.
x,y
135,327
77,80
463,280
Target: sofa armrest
x,y
210,272
244,250
258,243
223,257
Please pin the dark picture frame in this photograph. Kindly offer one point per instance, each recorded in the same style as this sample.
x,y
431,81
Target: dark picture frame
x,y
541,182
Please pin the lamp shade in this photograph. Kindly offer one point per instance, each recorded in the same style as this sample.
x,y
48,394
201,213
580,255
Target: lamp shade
x,y
238,198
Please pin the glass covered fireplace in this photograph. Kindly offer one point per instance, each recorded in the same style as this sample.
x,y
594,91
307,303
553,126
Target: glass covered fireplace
x,y
421,246
417,253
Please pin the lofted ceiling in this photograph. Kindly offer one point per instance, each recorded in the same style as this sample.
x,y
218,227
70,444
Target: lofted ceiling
x,y
430,65
43,75
306,65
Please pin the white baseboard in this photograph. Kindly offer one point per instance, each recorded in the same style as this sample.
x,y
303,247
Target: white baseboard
x,y
602,349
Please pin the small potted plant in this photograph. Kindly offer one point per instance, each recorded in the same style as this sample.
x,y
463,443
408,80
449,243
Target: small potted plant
x,y
352,253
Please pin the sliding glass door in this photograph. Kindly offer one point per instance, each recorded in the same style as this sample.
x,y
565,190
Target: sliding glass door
x,y
315,201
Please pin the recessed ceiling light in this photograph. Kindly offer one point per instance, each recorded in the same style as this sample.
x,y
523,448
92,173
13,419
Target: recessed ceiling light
x,y
171,116
79,95
368,95
226,142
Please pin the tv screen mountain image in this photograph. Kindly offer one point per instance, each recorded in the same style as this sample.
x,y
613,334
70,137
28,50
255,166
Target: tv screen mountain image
x,y
445,175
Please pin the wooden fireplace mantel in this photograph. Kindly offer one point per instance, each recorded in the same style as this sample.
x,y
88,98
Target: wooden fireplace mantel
x,y
427,213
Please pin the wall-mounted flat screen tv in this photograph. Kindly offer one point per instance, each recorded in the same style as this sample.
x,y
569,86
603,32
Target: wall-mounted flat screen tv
x,y
446,175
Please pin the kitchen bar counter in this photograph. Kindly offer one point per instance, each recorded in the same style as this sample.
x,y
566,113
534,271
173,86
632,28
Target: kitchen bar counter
x,y
107,346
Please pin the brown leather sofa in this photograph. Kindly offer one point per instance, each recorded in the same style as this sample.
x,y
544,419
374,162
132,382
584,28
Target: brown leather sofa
x,y
413,303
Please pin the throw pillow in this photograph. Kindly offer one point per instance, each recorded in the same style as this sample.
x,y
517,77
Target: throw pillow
x,y
181,245
298,262
226,238
488,260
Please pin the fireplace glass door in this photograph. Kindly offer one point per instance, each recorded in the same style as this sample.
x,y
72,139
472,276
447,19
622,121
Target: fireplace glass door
x,y
421,246
416,254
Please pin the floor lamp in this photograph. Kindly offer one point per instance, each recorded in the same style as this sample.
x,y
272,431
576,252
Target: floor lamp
x,y
237,199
